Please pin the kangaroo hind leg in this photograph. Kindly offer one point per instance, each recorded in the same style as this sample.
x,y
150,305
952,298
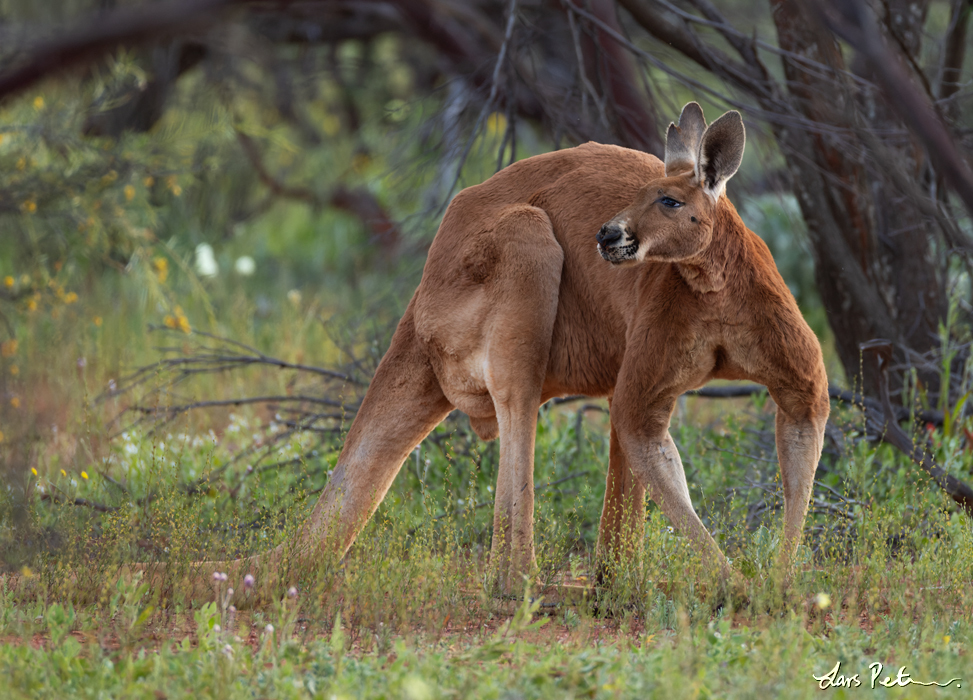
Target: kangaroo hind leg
x,y
404,402
523,292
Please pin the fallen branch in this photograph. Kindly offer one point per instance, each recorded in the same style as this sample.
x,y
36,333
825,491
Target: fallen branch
x,y
894,435
214,354
836,393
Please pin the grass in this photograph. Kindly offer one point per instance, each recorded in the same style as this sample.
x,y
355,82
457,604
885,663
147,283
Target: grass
x,y
524,656
352,632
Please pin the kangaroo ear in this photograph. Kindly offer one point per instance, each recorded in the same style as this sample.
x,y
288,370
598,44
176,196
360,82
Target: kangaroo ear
x,y
682,142
720,153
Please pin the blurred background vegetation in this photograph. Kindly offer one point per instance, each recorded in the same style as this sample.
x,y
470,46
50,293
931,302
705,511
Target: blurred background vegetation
x,y
238,197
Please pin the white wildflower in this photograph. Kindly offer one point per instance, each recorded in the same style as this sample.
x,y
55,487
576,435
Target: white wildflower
x,y
206,265
245,266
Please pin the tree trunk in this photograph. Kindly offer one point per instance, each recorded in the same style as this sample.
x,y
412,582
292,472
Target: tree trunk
x,y
875,269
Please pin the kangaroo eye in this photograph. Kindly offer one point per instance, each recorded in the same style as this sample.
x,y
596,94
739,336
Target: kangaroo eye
x,y
670,202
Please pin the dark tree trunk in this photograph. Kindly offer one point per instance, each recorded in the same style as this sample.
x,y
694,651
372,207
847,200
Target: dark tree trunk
x,y
860,179
876,271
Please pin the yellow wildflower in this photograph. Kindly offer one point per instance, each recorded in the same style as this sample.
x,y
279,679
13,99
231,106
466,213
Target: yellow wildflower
x,y
26,572
98,321
38,102
178,320
14,370
63,473
149,181
30,206
32,304
15,402
33,471
8,348
176,190
161,267
70,298
84,475
129,193
8,281
25,278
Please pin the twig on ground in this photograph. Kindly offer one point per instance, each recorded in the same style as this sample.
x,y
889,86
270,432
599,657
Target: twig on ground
x,y
83,502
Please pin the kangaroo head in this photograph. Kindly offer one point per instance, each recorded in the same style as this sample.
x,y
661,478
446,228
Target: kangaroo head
x,y
672,218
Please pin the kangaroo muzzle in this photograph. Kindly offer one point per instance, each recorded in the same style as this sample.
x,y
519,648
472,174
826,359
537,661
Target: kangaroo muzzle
x,y
615,244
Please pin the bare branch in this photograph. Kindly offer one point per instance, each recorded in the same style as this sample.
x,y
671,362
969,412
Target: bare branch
x,y
854,22
270,182
743,45
650,15
104,33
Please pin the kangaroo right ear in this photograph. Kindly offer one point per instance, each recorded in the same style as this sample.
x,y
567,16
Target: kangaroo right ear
x,y
720,153
682,142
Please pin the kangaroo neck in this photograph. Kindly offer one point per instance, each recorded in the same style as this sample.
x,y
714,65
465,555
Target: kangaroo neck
x,y
706,272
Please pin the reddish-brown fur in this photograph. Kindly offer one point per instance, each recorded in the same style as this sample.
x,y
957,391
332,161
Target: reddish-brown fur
x,y
517,304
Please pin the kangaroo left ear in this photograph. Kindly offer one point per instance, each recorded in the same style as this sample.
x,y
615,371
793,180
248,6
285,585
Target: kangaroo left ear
x,y
682,141
720,153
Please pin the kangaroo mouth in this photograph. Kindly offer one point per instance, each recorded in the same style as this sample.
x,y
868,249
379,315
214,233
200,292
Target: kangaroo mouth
x,y
619,254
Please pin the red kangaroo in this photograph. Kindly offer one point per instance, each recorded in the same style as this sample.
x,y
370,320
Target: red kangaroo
x,y
528,294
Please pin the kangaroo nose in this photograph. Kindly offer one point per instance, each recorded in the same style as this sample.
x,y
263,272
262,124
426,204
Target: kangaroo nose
x,y
609,234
